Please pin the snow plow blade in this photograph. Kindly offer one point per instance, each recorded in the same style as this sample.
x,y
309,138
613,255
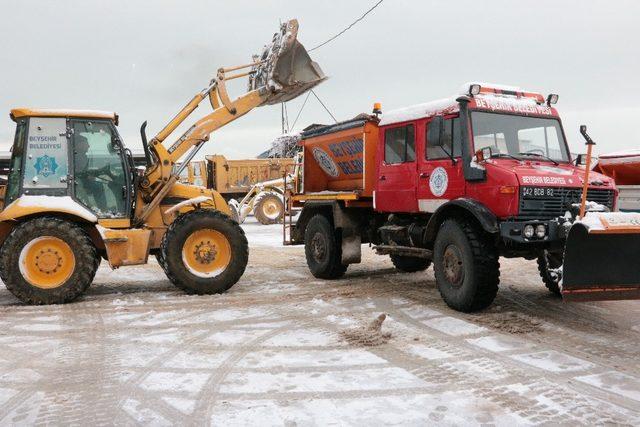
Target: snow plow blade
x,y
601,264
284,68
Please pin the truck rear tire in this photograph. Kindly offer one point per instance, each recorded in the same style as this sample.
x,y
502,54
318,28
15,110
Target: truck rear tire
x,y
269,208
466,266
204,252
48,260
548,261
323,249
410,264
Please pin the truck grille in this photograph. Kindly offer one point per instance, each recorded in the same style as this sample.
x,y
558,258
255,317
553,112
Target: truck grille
x,y
554,202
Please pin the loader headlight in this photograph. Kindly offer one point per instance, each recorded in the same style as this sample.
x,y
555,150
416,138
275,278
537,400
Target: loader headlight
x,y
528,231
541,231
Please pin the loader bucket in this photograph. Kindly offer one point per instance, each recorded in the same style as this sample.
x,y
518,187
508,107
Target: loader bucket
x,y
601,264
285,69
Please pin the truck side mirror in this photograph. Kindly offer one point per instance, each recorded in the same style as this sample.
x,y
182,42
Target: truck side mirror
x,y
435,132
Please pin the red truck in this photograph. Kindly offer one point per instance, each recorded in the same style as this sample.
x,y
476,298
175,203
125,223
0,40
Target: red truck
x,y
459,182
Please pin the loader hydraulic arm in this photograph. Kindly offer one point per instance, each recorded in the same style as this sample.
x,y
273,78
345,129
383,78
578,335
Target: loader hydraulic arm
x,y
159,178
282,72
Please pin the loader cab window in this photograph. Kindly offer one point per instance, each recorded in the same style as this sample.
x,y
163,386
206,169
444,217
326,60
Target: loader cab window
x,y
100,176
452,141
399,145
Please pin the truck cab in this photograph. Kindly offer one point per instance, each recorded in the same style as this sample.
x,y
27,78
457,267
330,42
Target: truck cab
x,y
500,150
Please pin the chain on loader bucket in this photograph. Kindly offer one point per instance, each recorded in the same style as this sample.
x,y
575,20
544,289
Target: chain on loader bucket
x,y
285,68
602,258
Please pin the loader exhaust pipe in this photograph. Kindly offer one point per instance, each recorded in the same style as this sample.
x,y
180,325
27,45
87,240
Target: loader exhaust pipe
x,y
284,69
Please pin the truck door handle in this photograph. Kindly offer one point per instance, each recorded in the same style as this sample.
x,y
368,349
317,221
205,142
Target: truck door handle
x,y
383,178
424,175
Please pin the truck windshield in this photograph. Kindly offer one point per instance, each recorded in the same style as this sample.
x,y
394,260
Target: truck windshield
x,y
519,136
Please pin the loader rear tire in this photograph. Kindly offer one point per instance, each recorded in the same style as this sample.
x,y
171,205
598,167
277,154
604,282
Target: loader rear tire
x,y
323,249
269,208
48,260
204,252
546,262
410,264
466,266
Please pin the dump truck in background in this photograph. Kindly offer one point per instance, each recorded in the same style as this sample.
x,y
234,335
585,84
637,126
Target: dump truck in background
x,y
460,182
248,185
624,168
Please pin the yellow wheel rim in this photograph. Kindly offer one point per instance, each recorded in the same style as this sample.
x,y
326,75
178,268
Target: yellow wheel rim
x,y
206,253
47,262
271,209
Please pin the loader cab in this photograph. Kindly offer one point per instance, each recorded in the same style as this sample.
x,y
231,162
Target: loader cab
x,y
76,155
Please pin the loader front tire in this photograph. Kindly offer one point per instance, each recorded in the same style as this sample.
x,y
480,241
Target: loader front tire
x,y
410,264
269,208
547,262
466,266
323,249
48,260
204,252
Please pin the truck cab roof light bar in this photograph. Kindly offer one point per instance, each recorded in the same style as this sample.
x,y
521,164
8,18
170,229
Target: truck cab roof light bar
x,y
477,89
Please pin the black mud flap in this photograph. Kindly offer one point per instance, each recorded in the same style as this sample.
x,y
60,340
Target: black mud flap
x,y
601,266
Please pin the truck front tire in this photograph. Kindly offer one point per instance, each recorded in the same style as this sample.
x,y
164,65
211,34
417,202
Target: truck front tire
x,y
410,264
466,266
323,249
48,261
548,261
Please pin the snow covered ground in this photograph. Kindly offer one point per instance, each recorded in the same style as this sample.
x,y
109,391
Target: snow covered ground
x,y
280,349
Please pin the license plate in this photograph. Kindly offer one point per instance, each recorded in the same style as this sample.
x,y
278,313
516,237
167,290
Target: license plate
x,y
537,192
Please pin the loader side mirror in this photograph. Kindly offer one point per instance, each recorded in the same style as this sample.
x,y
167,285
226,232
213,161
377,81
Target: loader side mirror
x,y
580,160
435,132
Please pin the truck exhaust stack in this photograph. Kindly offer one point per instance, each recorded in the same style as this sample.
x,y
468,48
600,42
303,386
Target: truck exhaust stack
x,y
284,68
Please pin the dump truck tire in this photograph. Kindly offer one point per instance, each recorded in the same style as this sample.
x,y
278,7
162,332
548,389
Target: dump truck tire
x,y
466,266
546,262
204,252
323,249
269,208
410,264
48,261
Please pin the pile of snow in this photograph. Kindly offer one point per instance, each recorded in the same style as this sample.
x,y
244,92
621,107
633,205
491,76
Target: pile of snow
x,y
594,220
285,145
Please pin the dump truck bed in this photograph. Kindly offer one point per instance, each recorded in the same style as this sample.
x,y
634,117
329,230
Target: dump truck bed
x,y
339,161
236,177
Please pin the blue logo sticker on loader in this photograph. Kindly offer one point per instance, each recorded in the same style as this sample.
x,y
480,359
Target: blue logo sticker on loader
x,y
46,166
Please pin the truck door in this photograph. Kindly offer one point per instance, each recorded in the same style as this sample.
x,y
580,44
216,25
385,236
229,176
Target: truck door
x,y
395,189
439,179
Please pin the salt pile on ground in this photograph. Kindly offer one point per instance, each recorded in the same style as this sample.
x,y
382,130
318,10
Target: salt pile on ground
x,y
368,336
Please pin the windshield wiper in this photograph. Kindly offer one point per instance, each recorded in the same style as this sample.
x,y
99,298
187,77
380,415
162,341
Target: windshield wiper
x,y
539,155
506,155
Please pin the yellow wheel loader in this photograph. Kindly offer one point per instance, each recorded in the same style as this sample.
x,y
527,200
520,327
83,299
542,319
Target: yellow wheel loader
x,y
74,195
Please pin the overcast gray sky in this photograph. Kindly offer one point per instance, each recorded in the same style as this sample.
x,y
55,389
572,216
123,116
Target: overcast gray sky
x,y
145,59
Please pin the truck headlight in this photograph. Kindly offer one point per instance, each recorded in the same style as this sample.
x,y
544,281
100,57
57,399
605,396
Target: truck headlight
x,y
528,231
541,231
